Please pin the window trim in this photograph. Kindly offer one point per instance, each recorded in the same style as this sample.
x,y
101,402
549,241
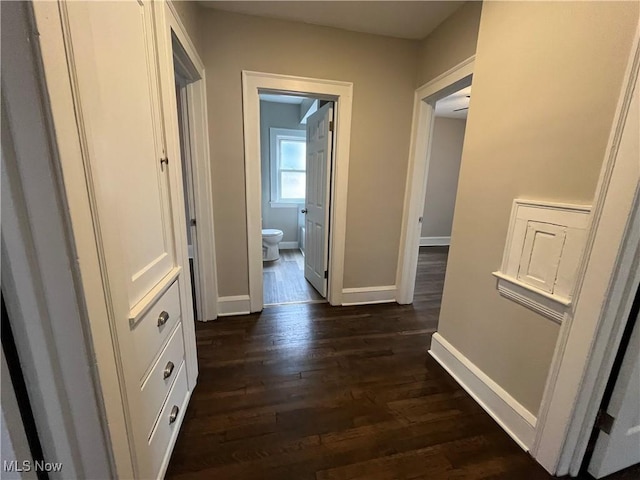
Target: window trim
x,y
276,134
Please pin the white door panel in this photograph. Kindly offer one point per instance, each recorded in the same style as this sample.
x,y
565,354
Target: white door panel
x,y
319,143
123,83
621,447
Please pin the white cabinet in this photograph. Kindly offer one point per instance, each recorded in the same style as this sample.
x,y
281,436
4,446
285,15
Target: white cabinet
x,y
104,67
119,79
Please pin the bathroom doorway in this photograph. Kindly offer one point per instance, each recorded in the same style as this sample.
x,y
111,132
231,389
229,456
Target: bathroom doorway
x,y
329,229
295,146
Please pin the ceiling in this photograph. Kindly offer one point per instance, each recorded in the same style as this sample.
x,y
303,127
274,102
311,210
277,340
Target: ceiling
x,y
402,19
458,100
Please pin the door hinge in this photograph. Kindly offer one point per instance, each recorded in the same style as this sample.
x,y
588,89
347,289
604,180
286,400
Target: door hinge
x,y
192,222
604,422
420,220
164,160
331,125
326,274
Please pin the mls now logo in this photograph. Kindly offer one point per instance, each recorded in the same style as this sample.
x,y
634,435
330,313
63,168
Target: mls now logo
x,y
29,466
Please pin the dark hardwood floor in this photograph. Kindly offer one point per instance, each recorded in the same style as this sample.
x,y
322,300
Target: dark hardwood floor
x,y
316,392
284,280
432,263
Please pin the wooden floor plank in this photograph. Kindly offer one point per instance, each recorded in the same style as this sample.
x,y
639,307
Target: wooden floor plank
x,y
317,392
284,280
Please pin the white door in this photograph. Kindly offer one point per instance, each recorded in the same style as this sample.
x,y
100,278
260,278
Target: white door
x,y
621,447
189,190
316,237
122,93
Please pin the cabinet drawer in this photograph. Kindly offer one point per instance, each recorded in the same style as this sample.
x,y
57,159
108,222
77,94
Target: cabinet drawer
x,y
167,427
156,386
153,329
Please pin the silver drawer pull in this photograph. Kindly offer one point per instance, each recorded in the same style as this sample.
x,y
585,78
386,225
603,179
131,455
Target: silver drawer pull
x,y
163,318
168,370
174,414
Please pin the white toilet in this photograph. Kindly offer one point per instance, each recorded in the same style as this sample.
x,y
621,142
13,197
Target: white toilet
x,y
271,237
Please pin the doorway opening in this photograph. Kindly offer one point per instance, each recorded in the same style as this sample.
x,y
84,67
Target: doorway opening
x,y
329,156
191,118
432,179
296,145
443,169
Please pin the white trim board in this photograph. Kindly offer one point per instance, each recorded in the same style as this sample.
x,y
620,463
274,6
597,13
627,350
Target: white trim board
x,y
368,295
341,93
418,168
606,283
435,241
234,305
289,245
515,419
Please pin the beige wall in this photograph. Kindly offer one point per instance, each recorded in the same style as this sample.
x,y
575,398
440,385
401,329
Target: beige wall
x,y
383,71
442,179
547,79
451,43
189,12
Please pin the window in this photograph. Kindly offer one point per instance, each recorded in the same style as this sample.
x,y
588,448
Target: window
x,y
288,165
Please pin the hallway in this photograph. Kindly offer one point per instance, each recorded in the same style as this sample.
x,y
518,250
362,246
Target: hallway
x,y
311,391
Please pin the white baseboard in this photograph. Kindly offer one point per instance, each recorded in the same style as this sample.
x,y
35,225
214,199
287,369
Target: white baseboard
x,y
288,245
434,241
368,295
515,419
234,305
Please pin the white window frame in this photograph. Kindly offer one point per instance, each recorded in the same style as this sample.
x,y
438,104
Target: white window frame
x,y
275,135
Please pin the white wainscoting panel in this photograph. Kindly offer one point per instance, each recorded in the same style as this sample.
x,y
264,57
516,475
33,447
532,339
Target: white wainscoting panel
x,y
515,419
368,295
544,246
234,305
434,241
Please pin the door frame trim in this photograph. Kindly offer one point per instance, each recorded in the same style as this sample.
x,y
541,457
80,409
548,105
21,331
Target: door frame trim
x,y
49,310
207,285
418,169
342,94
604,293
